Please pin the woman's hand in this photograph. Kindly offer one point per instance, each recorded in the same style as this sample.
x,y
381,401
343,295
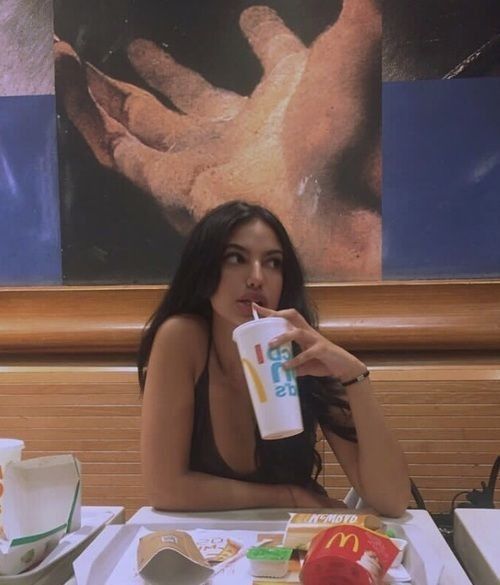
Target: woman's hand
x,y
318,356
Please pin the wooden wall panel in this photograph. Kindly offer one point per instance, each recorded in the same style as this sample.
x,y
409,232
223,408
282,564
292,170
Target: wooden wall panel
x,y
91,411
67,381
388,316
94,412
449,427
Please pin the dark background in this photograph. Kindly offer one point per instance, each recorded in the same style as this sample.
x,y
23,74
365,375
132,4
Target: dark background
x,y
425,39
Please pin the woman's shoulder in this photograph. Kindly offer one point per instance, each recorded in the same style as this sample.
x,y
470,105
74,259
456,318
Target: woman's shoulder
x,y
184,330
187,336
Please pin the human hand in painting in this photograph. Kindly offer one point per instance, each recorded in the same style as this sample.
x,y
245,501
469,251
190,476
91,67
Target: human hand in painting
x,y
305,140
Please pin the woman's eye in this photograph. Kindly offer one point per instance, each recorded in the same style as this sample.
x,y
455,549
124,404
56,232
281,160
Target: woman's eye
x,y
275,263
233,258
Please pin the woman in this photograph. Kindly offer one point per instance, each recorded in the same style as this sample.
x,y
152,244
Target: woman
x,y
200,446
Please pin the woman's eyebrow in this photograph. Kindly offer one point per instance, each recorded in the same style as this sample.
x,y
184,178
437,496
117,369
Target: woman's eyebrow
x,y
237,246
243,249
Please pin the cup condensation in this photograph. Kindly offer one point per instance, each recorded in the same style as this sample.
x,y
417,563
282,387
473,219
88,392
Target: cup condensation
x,y
273,389
10,450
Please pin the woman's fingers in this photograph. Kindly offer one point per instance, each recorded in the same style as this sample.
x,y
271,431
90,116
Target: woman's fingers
x,y
188,90
141,113
166,176
300,359
97,127
304,337
351,44
264,310
270,39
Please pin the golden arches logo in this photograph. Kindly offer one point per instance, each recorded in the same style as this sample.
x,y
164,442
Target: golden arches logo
x,y
259,387
343,540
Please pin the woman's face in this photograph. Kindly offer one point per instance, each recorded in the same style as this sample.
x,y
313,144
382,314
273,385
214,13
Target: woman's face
x,y
252,270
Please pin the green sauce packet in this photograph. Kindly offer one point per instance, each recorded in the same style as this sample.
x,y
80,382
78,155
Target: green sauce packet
x,y
258,553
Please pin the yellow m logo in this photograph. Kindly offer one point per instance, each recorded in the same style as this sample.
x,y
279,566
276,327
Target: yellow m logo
x,y
343,540
259,387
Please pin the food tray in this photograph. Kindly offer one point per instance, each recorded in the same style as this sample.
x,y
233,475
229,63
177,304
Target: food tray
x,y
111,558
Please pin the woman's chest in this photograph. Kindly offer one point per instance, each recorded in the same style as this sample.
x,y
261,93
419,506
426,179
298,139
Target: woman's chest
x,y
233,424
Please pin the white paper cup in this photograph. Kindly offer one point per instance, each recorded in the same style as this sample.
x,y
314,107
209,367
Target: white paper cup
x,y
273,389
10,450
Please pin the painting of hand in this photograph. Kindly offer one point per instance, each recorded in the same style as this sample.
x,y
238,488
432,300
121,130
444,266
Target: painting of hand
x,y
290,145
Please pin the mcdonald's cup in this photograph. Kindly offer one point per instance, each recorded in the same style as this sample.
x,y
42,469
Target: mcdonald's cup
x,y
273,390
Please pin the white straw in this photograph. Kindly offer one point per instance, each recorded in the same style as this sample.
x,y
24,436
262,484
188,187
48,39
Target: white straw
x,y
254,312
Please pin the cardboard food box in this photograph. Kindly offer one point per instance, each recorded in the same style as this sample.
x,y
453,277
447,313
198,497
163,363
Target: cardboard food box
x,y
41,503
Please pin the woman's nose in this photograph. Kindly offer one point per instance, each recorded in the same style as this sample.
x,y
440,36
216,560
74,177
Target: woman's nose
x,y
254,279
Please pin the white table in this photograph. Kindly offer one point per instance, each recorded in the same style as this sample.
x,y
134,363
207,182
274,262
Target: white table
x,y
267,519
476,535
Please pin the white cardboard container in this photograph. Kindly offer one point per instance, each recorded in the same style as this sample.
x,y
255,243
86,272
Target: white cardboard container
x,y
42,503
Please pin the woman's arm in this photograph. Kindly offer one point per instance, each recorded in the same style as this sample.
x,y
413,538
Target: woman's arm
x,y
375,465
176,360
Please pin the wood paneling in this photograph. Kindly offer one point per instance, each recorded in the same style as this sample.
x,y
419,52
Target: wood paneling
x,y
93,412
68,382
397,316
449,429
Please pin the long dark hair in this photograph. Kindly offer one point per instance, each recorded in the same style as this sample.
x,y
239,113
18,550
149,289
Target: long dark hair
x,y
198,274
196,280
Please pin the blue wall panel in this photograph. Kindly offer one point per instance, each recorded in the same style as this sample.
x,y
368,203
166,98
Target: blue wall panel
x,y
30,241
441,185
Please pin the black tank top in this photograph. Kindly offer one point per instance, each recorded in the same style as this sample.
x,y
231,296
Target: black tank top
x,y
205,457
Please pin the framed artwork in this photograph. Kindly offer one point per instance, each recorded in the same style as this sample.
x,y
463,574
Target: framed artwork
x,y
367,126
